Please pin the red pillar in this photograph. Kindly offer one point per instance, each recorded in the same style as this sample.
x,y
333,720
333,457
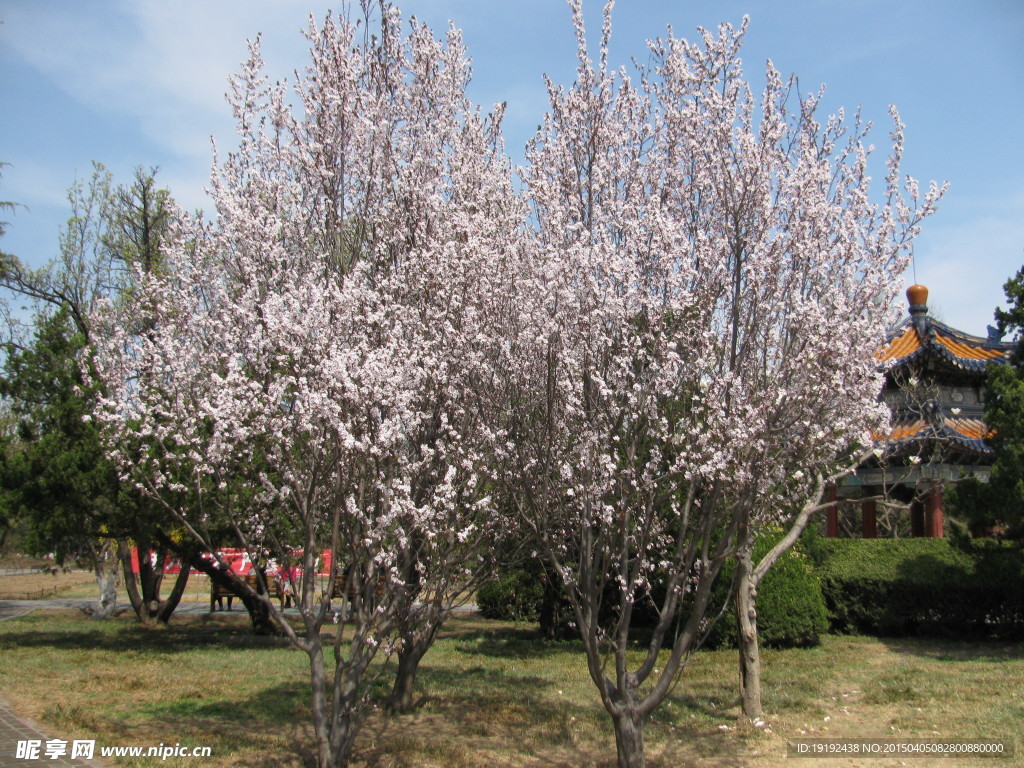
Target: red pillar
x,y
933,512
832,515
869,516
916,518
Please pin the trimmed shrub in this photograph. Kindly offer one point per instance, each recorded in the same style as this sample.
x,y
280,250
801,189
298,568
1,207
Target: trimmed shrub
x,y
897,587
790,607
516,596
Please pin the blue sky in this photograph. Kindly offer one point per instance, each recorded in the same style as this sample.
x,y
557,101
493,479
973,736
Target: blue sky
x,y
139,82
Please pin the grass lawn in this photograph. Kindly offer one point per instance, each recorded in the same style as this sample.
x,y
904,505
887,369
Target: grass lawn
x,y
52,582
493,693
47,584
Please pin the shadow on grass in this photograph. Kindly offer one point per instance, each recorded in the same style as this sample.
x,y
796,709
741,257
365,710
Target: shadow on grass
x,y
462,711
479,686
280,712
477,700
526,710
514,644
983,650
270,706
463,714
125,635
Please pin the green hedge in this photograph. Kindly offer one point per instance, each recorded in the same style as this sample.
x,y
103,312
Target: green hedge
x,y
516,596
790,605
790,608
885,587
895,587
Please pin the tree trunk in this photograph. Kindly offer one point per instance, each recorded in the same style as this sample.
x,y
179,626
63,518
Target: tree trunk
x,y
335,722
629,740
318,705
259,615
259,611
552,607
344,729
130,584
400,700
258,608
170,605
746,620
149,607
151,578
105,566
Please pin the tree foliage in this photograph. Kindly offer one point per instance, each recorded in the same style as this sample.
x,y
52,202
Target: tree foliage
x,y
54,469
665,344
716,279
998,505
330,345
58,475
5,206
8,504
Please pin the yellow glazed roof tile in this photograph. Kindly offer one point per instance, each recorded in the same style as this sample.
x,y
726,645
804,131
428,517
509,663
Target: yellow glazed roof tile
x,y
901,346
971,428
969,352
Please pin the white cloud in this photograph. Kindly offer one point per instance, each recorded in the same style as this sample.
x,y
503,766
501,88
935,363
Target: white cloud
x,y
163,66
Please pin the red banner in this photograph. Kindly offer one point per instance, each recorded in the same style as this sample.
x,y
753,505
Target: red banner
x,y
238,561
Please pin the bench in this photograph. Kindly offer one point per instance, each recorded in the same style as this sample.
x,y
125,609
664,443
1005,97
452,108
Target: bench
x,y
341,586
217,594
275,587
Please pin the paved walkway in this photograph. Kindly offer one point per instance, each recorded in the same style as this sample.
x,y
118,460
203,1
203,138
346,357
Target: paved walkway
x,y
14,729
10,609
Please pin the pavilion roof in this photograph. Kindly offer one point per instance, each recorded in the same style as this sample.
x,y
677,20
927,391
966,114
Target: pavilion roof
x,y
921,338
913,340
963,434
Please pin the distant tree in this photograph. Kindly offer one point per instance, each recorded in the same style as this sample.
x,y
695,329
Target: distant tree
x,y
5,206
55,474
113,237
8,519
998,505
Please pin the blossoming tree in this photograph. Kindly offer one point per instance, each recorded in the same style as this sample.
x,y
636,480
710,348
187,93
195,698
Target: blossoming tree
x,y
315,367
716,279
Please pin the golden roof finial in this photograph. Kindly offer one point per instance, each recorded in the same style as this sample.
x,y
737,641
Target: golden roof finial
x,y
917,297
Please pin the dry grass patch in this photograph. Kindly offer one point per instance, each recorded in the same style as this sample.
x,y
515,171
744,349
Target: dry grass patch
x,y
43,585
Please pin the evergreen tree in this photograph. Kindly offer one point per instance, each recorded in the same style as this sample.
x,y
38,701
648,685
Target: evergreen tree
x,y
998,505
53,470
55,478
8,521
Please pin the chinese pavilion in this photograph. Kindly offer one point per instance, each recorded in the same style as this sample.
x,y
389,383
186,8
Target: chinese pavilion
x,y
935,387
